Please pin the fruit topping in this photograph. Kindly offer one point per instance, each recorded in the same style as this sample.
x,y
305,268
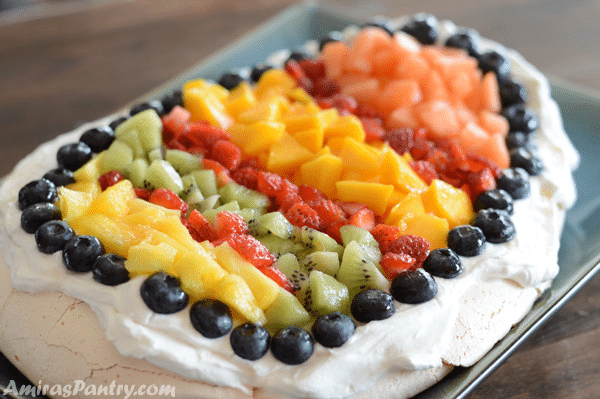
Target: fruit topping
x,y
493,61
496,225
422,27
230,80
52,236
494,199
81,252
466,240
109,269
250,341
250,249
331,37
168,199
109,179
211,318
258,70
512,93
162,293
154,105
37,191
414,246
443,262
114,124
515,181
372,304
98,138
526,159
520,119
60,177
37,214
333,330
466,40
393,264
415,286
381,23
292,345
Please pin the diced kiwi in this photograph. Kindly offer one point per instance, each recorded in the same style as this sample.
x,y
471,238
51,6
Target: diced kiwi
x,y
276,245
359,273
148,125
191,193
324,261
136,172
271,223
206,181
131,138
182,161
325,295
285,311
155,154
319,241
363,237
247,198
248,213
288,264
117,157
162,174
211,202
230,206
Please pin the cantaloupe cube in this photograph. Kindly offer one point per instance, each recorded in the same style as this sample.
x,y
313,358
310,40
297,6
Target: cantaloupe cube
x,y
322,172
412,67
494,148
433,228
448,202
373,195
490,93
364,91
402,117
333,55
439,117
364,46
434,87
398,93
286,155
493,123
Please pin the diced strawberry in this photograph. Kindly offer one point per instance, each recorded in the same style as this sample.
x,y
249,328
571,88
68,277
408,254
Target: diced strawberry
x,y
246,176
277,275
373,128
325,88
269,183
301,214
341,102
142,193
202,133
288,195
366,111
252,162
351,207
333,230
168,199
294,70
421,149
109,179
425,170
175,144
199,227
415,246
250,249
226,153
227,222
221,172
480,182
310,194
365,219
393,264
306,84
401,140
174,122
313,69
328,211
385,235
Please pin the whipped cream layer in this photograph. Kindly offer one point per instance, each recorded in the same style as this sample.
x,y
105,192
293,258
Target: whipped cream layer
x,y
415,337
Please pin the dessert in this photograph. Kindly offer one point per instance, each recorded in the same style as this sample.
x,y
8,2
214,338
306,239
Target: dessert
x,y
451,319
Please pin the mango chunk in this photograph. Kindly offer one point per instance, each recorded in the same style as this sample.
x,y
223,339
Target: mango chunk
x,y
373,195
256,137
322,173
286,155
434,229
349,126
446,201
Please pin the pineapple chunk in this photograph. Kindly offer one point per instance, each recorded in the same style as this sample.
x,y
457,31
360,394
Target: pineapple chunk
x,y
73,204
91,170
234,291
145,259
114,201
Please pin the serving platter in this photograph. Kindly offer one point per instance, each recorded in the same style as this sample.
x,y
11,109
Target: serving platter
x,y
579,257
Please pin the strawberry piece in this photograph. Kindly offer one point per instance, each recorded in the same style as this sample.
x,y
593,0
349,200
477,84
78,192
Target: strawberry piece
x,y
227,222
142,193
333,230
401,140
415,246
328,211
226,153
269,183
373,128
277,275
221,172
313,69
301,214
204,134
246,176
168,199
306,84
109,179
341,102
174,122
385,235
393,264
425,170
310,194
366,111
294,70
480,182
199,227
288,195
422,149
175,144
249,248
365,219
325,88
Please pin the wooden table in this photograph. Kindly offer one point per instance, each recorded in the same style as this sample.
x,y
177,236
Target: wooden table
x,y
83,61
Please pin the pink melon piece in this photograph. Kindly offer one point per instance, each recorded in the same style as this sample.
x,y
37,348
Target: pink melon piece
x,y
364,91
412,67
464,114
384,63
402,117
434,87
398,93
494,148
493,123
364,46
333,56
439,118
489,93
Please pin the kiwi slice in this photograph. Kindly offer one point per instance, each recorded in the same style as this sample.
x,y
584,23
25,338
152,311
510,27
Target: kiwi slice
x,y
244,196
276,245
358,272
249,213
286,311
324,261
136,172
131,138
117,157
363,237
319,241
325,295
148,126
206,181
272,223
162,174
288,264
182,161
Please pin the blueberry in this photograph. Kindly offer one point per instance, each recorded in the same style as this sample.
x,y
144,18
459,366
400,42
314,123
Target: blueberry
x,y
466,240
423,28
258,70
512,93
333,330
114,124
52,236
331,37
414,286
37,191
520,119
250,341
162,293
211,318
73,156
81,252
526,159
156,105
98,138
372,304
292,345
297,56
171,100
465,39
493,61
516,140
515,181
109,269
230,80
382,24
496,225
443,262
60,176
494,199
37,214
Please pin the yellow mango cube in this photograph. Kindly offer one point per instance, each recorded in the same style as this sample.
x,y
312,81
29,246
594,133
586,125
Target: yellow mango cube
x,y
257,137
359,156
269,110
449,202
311,139
410,204
434,229
240,99
286,155
322,173
348,125
274,82
205,104
373,195
396,170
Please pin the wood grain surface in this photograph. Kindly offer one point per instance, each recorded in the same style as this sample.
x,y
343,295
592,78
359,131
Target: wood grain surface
x,y
64,66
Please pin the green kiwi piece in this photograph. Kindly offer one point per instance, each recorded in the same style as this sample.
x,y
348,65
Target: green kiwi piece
x,y
357,272
155,154
148,126
272,223
211,202
117,157
276,245
249,213
285,311
136,172
206,181
182,161
131,138
162,174
230,206
319,241
325,295
363,237
246,197
298,276
324,261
